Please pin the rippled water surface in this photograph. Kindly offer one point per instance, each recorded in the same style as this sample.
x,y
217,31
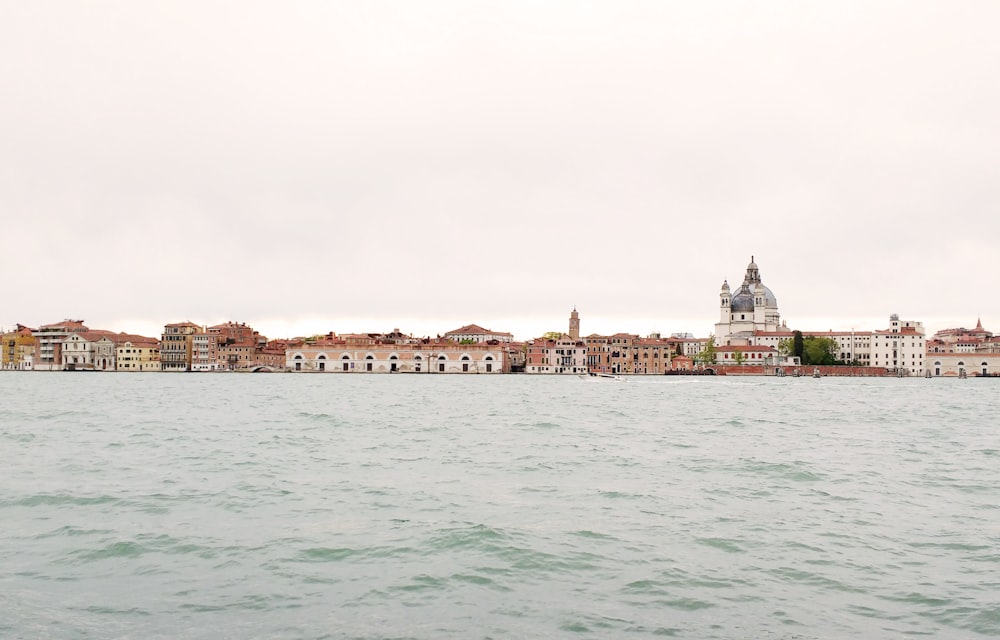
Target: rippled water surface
x,y
332,506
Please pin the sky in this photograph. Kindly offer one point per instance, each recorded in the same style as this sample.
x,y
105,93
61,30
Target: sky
x,y
321,166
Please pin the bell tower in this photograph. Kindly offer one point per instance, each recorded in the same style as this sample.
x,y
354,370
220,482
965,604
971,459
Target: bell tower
x,y
574,325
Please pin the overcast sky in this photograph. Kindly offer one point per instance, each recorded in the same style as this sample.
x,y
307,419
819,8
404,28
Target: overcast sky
x,y
358,166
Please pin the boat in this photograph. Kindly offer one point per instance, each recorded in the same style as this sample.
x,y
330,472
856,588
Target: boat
x,y
607,376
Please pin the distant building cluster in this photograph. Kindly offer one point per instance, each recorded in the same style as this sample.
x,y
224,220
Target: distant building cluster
x,y
750,336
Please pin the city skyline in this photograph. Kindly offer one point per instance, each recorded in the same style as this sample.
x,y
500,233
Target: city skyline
x,y
344,167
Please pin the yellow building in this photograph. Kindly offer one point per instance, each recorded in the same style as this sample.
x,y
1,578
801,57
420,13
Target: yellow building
x,y
18,349
138,354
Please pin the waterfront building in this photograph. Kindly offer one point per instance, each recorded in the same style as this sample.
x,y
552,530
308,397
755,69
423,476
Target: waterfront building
x,y
475,333
630,354
962,340
237,345
49,343
271,355
517,356
681,363
752,307
562,355
175,346
598,353
964,352
901,346
137,354
106,349
79,351
746,354
205,352
394,353
18,349
652,355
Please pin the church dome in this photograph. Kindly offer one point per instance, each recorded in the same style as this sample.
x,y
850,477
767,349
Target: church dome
x,y
743,301
769,299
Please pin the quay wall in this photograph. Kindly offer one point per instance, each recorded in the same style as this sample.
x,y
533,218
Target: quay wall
x,y
804,370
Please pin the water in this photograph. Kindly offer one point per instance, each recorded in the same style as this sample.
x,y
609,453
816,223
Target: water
x,y
331,506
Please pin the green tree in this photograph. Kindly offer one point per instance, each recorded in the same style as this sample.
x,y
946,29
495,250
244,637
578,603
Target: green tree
x,y
820,351
785,347
552,335
797,344
707,355
738,357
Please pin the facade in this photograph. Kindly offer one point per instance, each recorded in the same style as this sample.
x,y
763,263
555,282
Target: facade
x,y
175,346
563,355
236,356
475,333
18,349
79,350
376,353
204,352
751,308
138,354
106,350
746,355
901,347
237,345
963,352
517,355
49,344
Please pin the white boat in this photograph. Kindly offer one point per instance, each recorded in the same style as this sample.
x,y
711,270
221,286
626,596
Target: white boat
x,y
607,376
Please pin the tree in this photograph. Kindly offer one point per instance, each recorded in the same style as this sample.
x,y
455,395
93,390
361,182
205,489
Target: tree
x,y
552,335
785,347
821,351
707,355
797,344
738,356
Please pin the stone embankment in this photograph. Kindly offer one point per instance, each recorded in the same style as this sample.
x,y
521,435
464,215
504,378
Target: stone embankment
x,y
804,371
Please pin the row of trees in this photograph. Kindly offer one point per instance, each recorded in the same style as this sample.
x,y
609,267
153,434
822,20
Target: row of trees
x,y
812,350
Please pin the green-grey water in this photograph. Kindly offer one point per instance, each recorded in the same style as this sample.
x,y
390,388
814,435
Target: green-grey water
x,y
339,506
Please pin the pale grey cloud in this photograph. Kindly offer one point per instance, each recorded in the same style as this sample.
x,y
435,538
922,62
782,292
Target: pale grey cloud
x,y
452,162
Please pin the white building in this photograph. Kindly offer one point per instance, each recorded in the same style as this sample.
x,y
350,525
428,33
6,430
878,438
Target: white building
x,y
752,308
901,347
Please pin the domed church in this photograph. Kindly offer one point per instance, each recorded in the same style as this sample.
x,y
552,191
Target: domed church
x,y
751,308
